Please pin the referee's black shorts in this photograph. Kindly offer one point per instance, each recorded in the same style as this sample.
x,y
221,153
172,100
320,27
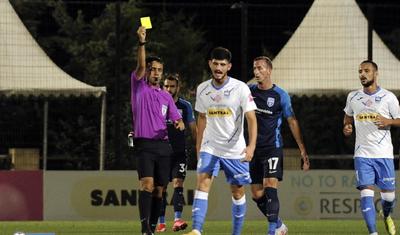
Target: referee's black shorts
x,y
153,160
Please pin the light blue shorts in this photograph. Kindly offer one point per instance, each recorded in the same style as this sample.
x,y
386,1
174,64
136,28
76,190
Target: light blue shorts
x,y
236,171
375,171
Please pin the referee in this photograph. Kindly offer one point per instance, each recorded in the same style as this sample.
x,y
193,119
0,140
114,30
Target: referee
x,y
151,108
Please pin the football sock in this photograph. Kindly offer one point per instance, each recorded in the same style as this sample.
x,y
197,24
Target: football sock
x,y
272,208
155,212
238,214
163,208
368,209
388,201
199,210
145,201
262,204
179,201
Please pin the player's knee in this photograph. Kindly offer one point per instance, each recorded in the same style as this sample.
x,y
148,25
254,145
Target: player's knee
x,y
366,192
388,196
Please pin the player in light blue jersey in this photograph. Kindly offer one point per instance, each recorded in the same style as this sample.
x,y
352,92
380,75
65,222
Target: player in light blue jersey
x,y
373,110
223,102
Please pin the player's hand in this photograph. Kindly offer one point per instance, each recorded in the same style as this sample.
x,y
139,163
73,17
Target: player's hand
x,y
306,161
348,129
141,32
382,122
179,125
248,153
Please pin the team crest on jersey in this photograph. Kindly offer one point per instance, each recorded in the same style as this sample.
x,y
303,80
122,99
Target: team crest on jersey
x,y
270,101
378,99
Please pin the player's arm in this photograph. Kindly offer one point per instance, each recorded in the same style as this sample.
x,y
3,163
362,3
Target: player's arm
x,y
201,126
295,129
252,129
141,53
347,125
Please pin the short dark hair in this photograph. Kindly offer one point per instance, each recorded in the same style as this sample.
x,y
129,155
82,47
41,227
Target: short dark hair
x,y
221,53
266,59
370,62
150,59
173,77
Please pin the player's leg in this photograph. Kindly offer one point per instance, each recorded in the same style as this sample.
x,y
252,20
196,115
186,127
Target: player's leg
x,y
365,175
145,168
161,178
161,227
207,168
179,174
237,174
386,183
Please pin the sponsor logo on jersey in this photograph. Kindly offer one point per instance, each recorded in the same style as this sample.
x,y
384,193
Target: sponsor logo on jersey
x,y
364,117
219,112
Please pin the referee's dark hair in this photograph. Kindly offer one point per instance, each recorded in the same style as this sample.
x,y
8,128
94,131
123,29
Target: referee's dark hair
x,y
221,53
266,59
150,59
371,62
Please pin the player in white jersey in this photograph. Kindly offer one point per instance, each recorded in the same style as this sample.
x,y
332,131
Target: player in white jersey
x,y
373,110
222,103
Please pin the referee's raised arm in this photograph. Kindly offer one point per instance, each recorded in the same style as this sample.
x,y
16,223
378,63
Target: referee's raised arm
x,y
141,53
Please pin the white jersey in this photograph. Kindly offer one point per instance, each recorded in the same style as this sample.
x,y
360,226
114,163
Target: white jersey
x,y
224,108
372,142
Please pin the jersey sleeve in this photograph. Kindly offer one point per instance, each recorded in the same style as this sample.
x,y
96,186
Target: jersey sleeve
x,y
348,110
173,112
199,105
394,109
286,104
189,113
247,100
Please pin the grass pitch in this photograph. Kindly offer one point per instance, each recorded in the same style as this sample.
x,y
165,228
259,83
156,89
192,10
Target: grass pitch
x,y
296,227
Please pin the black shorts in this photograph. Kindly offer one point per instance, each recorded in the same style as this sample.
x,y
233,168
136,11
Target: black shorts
x,y
266,163
153,160
178,165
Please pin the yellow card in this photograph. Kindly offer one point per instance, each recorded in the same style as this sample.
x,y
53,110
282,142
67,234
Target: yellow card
x,y
146,22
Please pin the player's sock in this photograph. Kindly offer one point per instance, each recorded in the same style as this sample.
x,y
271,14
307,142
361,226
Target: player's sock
x,y
272,208
262,204
161,219
279,223
145,201
199,210
368,209
155,212
179,201
388,201
238,214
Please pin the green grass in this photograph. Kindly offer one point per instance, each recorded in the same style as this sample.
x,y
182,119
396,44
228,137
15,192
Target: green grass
x,y
296,227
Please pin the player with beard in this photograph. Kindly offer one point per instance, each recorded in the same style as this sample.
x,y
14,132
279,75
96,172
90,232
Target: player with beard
x,y
151,108
177,140
373,110
222,103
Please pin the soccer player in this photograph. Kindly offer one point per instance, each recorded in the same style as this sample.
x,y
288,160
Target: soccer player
x,y
266,168
151,108
373,110
222,103
178,158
